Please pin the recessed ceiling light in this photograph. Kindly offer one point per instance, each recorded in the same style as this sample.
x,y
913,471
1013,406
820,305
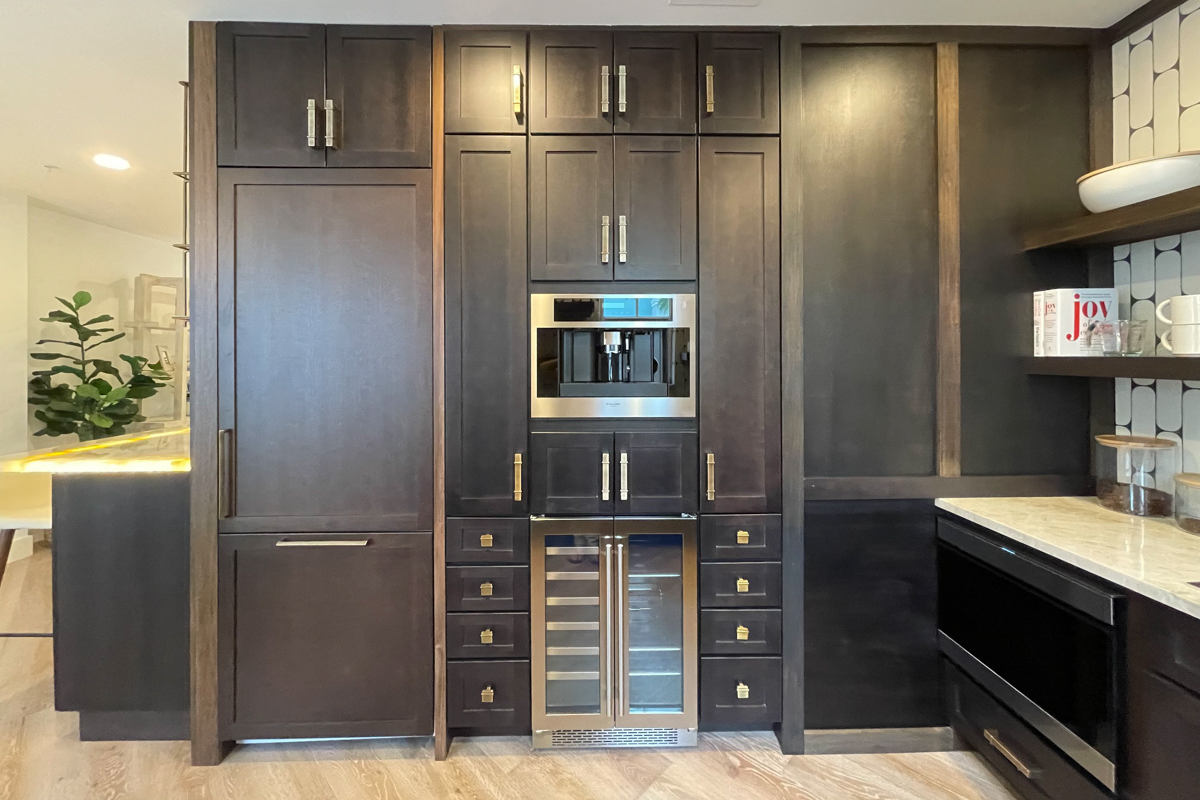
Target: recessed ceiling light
x,y
110,161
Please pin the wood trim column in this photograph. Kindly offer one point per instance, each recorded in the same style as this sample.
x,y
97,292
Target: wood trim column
x,y
791,729
441,745
207,748
949,340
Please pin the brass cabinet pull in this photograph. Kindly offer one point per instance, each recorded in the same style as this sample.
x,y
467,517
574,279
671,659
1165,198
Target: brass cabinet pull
x,y
624,476
312,123
330,125
1030,773
322,542
224,473
518,463
604,226
485,589
743,691
485,540
743,537
488,695
516,86
604,476
621,89
743,585
710,89
711,463
743,633
486,636
605,79
622,240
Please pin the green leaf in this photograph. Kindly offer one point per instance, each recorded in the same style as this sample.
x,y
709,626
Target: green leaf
x,y
101,318
48,356
81,299
63,369
63,406
115,395
100,420
87,390
136,363
57,341
106,341
39,401
66,303
104,386
142,392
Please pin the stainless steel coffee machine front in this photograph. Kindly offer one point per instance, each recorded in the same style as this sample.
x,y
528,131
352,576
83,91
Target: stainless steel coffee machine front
x,y
628,355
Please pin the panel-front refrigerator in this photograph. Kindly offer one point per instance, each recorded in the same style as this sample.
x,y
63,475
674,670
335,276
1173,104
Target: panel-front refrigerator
x,y
614,632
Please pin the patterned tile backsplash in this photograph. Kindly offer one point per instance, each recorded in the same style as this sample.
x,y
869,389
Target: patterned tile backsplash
x,y
1156,112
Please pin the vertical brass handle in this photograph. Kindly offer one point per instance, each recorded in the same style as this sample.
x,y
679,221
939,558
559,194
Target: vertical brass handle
x,y
710,89
312,123
225,473
605,80
619,608
622,239
518,461
621,89
330,125
609,696
624,476
993,739
604,236
516,87
711,463
604,476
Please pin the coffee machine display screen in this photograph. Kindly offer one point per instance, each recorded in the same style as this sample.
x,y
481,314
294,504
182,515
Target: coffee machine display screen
x,y
612,309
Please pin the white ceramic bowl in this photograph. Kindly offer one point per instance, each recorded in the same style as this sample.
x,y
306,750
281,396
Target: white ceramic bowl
x,y
1136,181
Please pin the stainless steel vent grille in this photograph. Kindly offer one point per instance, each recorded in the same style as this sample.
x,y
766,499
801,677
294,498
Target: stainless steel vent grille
x,y
616,737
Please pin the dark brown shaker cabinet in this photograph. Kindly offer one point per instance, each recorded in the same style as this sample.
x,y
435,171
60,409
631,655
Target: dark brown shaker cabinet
x,y
326,635
570,81
655,79
739,83
656,473
655,194
487,337
325,360
571,224
311,95
572,473
486,81
739,335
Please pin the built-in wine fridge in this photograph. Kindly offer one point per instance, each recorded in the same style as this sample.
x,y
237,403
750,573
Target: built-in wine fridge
x,y
614,632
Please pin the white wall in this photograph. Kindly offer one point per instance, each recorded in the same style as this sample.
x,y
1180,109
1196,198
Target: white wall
x,y
66,255
14,271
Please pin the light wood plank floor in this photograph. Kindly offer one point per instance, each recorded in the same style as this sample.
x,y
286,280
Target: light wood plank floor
x,y
41,757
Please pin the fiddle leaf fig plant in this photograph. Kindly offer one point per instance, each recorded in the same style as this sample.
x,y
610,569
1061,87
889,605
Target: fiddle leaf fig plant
x,y
95,400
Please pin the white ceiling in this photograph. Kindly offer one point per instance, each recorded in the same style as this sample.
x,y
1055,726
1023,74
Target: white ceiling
x,y
81,77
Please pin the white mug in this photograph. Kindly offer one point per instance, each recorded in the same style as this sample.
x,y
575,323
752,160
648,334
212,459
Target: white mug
x,y
1185,310
1183,340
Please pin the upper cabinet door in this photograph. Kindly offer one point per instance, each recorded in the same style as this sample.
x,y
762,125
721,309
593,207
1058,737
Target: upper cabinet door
x,y
655,82
656,473
571,83
267,77
486,89
487,338
739,83
656,208
379,84
571,225
573,473
739,335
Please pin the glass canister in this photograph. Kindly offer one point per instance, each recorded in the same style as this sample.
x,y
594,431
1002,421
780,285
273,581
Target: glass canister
x,y
1135,474
1187,501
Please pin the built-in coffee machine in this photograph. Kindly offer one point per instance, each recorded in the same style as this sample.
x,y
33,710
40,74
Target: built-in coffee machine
x,y
629,355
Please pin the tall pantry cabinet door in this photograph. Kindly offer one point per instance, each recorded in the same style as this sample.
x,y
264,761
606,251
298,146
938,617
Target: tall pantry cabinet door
x,y
379,84
486,81
658,92
739,83
325,350
571,86
572,230
655,197
267,74
739,332
487,338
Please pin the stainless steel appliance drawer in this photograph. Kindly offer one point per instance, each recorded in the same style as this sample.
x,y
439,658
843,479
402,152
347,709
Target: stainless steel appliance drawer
x,y
748,584
481,636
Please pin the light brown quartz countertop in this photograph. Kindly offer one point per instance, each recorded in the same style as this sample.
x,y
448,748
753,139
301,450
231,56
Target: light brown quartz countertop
x,y
1149,556
163,450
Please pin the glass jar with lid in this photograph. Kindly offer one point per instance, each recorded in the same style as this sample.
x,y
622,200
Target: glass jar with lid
x,y
1187,501
1135,474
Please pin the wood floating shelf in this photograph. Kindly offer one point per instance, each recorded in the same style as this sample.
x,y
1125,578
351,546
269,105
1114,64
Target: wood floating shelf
x,y
1169,215
1145,367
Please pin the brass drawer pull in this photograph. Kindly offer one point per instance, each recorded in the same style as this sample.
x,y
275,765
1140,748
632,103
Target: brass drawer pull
x,y
743,633
743,585
488,694
605,80
323,543
486,636
485,589
518,465
622,239
624,476
312,123
621,89
743,691
711,462
743,537
330,125
710,89
485,540
1030,773
604,236
516,87
604,461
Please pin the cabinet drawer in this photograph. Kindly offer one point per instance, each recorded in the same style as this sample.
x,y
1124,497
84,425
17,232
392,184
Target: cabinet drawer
x,y
750,584
488,695
487,588
487,541
740,538
487,636
761,632
1035,769
1163,739
1165,641
740,693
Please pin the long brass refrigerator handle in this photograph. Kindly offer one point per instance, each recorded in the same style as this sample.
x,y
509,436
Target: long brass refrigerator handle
x,y
619,608
224,473
711,463
624,476
604,481
312,123
621,89
710,89
622,239
517,84
605,80
518,462
608,631
330,125
605,224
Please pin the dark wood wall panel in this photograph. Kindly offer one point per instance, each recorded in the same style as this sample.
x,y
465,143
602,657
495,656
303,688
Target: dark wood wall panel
x,y
870,260
1024,118
871,615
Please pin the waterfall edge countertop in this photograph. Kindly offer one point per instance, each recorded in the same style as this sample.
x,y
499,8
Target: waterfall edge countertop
x,y
1148,556
164,450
